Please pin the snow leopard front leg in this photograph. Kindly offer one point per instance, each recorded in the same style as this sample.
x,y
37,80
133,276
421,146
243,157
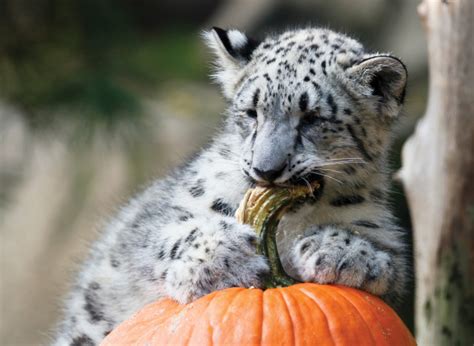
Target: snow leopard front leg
x,y
352,256
205,261
184,260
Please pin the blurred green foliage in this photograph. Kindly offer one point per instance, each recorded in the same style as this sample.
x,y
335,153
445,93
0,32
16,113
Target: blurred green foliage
x,y
95,57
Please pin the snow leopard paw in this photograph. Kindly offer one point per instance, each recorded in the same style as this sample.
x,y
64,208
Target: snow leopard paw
x,y
341,257
223,256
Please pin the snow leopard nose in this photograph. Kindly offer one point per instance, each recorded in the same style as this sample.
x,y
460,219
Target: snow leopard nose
x,y
269,175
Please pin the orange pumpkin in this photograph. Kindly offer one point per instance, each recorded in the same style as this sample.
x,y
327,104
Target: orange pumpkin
x,y
302,314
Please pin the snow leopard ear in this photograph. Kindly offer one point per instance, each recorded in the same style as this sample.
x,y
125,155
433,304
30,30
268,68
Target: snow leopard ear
x,y
383,77
233,50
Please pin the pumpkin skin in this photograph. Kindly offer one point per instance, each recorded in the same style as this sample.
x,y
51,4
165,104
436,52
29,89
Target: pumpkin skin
x,y
302,314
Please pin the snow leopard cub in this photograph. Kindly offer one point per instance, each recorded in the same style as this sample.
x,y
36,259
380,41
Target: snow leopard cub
x,y
304,105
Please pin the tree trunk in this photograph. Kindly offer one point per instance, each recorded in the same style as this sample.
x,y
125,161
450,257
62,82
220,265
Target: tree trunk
x,y
438,176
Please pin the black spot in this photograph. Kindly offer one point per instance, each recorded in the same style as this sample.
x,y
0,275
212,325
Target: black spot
x,y
221,207
94,286
323,66
306,79
335,234
174,249
332,104
224,151
224,225
365,223
161,254
342,201
221,175
82,340
360,145
114,263
312,71
107,332
347,111
252,240
363,252
343,265
304,247
372,275
270,61
164,274
256,97
347,241
377,195
191,236
93,307
303,103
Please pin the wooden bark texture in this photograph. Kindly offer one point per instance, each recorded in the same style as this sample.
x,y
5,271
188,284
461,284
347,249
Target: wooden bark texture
x,y
438,176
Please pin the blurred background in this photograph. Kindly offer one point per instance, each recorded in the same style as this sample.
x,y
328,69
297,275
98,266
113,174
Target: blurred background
x,y
98,97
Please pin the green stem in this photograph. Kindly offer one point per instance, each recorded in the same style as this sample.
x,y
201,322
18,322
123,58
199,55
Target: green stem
x,y
268,247
265,219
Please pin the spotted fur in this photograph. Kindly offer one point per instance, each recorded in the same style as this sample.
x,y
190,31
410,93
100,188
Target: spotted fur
x,y
305,105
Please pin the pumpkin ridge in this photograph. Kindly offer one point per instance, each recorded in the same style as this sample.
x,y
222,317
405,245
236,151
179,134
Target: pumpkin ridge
x,y
283,293
311,296
333,306
292,324
355,295
314,315
361,317
262,317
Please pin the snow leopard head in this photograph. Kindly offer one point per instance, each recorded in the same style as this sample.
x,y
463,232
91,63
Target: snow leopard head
x,y
307,102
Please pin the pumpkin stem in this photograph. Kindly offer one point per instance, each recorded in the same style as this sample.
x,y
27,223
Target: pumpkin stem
x,y
263,209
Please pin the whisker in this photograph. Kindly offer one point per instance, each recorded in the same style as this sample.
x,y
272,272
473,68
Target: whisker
x,y
322,164
346,158
308,184
331,170
328,176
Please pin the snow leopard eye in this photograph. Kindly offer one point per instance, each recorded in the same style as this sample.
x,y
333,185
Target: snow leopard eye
x,y
252,113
